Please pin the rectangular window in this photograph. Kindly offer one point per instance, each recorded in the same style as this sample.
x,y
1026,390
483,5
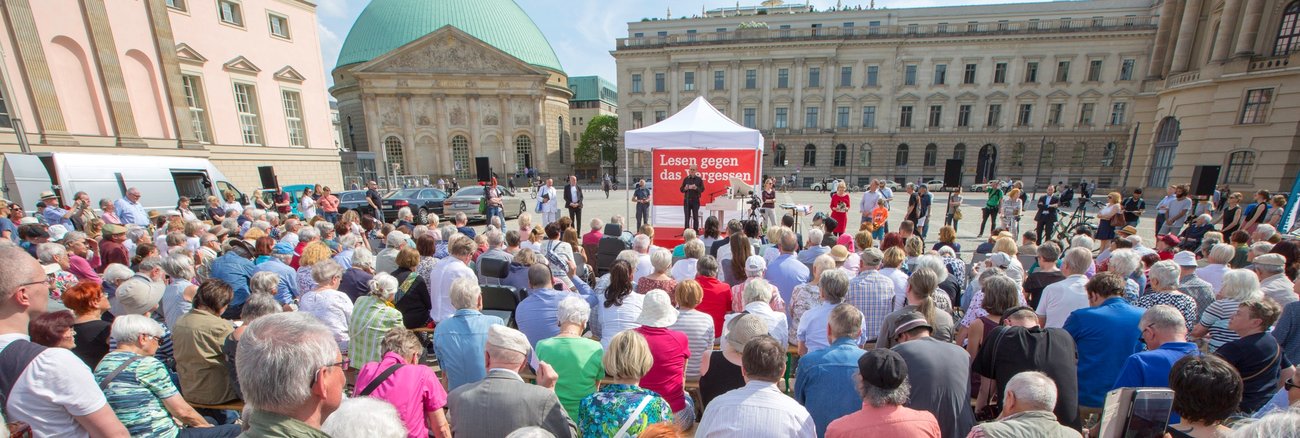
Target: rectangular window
x,y
230,12
1054,114
782,78
941,28
719,79
1085,113
873,27
995,115
660,116
293,117
905,117
811,118
848,28
963,116
1031,72
909,74
638,35
1004,24
1126,69
969,76
176,4
1094,70
869,116
912,28
1096,21
198,105
250,125
873,76
1063,71
278,24
936,114
638,119
690,35
750,118
751,79
842,117
940,73
782,118
846,76
1255,109
688,80
972,26
1026,115
1000,73
814,77
1066,23
1117,110
659,82
1033,24
636,83
720,30
662,34
816,29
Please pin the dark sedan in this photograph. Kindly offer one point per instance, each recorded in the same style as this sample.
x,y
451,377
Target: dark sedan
x,y
421,201
354,200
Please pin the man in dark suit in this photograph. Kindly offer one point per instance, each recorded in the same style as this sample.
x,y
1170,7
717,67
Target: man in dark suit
x,y
692,187
502,402
573,200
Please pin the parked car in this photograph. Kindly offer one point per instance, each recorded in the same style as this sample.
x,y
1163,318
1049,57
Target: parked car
x,y
467,200
893,185
354,200
979,187
422,201
934,185
825,185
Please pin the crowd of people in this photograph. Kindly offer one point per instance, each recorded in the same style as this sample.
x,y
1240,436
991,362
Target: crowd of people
x,y
129,322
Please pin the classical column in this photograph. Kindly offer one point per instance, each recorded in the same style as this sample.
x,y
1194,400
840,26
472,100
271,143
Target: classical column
x,y
370,107
830,76
36,72
1168,14
671,83
539,130
165,50
476,146
1173,38
506,123
1227,24
440,121
411,155
1249,28
110,72
1186,35
765,107
795,116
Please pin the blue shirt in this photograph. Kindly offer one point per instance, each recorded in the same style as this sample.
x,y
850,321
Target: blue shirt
x,y
1106,335
1151,368
8,225
287,289
235,271
822,382
54,216
344,258
459,341
785,272
536,316
131,212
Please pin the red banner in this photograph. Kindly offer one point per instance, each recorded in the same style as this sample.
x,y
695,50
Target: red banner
x,y
716,167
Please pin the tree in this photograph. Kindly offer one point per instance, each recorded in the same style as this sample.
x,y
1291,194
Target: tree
x,y
599,142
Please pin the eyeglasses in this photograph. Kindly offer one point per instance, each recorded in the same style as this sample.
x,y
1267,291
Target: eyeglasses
x,y
345,363
155,338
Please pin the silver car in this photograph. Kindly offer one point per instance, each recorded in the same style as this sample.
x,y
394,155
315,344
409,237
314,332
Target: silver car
x,y
467,200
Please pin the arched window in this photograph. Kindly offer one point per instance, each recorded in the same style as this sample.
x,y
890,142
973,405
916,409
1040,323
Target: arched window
x,y
931,154
1108,157
1018,154
864,155
1288,30
841,157
1239,165
810,155
778,158
523,152
460,155
959,152
1163,153
900,157
1080,151
393,152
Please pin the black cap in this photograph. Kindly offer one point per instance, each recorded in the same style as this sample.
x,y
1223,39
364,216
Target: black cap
x,y
882,368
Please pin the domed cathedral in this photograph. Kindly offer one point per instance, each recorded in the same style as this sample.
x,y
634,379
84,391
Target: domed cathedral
x,y
430,87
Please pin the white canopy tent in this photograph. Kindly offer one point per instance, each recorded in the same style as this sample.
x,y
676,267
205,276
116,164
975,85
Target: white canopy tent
x,y
697,126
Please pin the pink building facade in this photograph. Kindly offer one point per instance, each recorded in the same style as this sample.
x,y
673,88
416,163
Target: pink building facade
x,y
239,82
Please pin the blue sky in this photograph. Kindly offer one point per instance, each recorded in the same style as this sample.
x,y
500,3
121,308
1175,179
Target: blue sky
x,y
582,32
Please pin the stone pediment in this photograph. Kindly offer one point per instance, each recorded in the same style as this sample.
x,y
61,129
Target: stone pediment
x,y
1091,94
659,102
871,97
967,97
448,50
187,54
782,99
1058,95
1028,95
750,100
1123,92
909,97
997,95
845,97
937,97
242,65
289,74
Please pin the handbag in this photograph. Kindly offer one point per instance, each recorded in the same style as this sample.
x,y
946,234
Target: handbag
x,y
1118,220
956,214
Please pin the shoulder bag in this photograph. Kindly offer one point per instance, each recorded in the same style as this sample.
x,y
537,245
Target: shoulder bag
x,y
633,417
374,384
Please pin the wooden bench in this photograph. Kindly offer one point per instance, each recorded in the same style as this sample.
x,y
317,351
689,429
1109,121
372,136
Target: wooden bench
x,y
236,405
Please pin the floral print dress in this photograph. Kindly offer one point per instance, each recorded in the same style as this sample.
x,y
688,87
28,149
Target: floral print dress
x,y
603,413
804,297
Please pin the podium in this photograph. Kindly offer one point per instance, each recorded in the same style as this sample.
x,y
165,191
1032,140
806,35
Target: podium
x,y
725,208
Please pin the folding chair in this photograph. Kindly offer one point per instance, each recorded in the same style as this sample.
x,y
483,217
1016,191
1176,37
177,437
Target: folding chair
x,y
500,300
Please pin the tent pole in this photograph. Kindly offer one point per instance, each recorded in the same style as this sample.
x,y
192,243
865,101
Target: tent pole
x,y
627,179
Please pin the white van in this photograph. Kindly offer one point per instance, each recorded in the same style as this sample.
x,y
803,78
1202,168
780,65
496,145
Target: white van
x,y
161,180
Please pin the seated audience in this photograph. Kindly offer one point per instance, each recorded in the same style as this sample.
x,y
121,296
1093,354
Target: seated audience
x,y
1239,286
724,365
1026,411
1024,345
808,295
813,333
620,306
412,388
1256,354
1106,334
458,341
938,387
758,295
88,302
356,278
717,300
697,326
576,359
819,383
511,402
292,373
198,340
624,405
412,292
1207,391
257,306
365,417
659,279
330,306
884,387
921,288
670,351
758,409
372,317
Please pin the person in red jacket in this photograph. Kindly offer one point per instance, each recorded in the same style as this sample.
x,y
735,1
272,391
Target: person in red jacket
x,y
717,295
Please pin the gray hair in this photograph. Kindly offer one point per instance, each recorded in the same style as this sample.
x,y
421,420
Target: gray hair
x,y
116,272
946,251
364,417
1265,231
128,328
1221,254
707,266
1261,248
879,397
596,224
325,270
395,239
418,231
179,266
1164,317
383,285
47,252
641,243
814,237
278,358
74,235
757,291
363,258
789,242
1033,389
1279,423
496,239
573,310
1081,241
834,285
323,228
461,217
404,212
1124,262
348,241
1241,285
933,263
257,306
531,432
148,264
661,260
1077,259
1166,272
631,257
694,249
265,282
263,225
465,293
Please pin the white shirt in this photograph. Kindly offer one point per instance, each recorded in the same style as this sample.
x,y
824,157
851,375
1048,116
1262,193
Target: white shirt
x,y
307,206
900,285
684,269
54,389
756,410
1279,289
869,200
643,267
777,326
1062,298
1213,274
446,271
553,203
332,308
614,320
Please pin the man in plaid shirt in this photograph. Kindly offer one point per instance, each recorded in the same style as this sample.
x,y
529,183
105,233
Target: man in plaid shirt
x,y
871,292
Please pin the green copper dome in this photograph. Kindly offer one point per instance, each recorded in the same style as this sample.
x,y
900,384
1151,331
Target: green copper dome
x,y
388,24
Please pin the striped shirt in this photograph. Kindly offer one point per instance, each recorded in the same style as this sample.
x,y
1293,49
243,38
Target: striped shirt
x,y
1216,319
137,393
371,319
698,328
873,294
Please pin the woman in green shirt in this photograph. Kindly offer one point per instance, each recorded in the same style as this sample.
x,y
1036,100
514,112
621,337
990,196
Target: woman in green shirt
x,y
575,358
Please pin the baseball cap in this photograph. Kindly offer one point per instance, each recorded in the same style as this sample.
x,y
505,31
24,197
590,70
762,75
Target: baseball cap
x,y
999,259
755,263
882,368
872,256
1185,258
